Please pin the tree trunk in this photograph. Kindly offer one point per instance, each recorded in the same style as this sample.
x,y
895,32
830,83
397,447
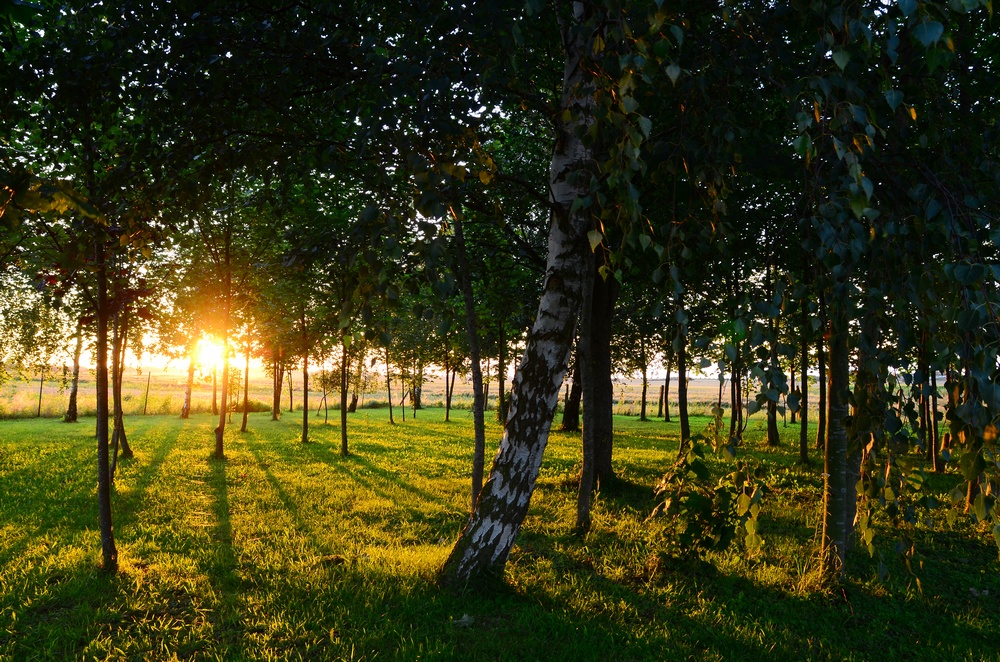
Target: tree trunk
x,y
246,387
215,393
291,404
447,387
585,368
484,545
279,380
502,375
804,400
41,385
821,361
109,552
571,411
343,398
478,395
839,492
645,381
388,385
356,386
305,385
74,389
773,438
227,293
682,390
119,438
792,390
666,388
938,466
605,294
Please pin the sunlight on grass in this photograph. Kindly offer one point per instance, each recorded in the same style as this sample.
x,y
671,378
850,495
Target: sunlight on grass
x,y
288,550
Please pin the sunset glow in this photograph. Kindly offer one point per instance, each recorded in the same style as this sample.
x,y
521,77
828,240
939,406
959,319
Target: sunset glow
x,y
210,353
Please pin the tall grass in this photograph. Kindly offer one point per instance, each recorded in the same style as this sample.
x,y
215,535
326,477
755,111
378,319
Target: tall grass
x,y
289,551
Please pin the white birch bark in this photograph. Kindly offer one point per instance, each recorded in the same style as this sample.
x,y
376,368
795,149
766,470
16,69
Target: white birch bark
x,y
486,542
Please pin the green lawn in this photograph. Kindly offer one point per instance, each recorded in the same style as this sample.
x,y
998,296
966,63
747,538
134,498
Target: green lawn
x,y
287,551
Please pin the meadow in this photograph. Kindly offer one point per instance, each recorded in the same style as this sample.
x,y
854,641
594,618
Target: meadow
x,y
286,551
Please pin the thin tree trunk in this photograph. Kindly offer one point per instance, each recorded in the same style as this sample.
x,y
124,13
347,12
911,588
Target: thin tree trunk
x,y
447,388
41,385
792,390
502,375
585,369
605,294
228,293
145,401
109,551
938,466
305,389
571,411
291,404
804,400
388,385
666,388
484,545
246,387
838,489
821,361
682,390
215,392
74,389
343,399
279,381
478,394
773,437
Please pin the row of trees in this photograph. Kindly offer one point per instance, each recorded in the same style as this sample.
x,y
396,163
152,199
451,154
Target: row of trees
x,y
766,188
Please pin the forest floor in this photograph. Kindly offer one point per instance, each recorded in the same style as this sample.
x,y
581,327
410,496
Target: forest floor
x,y
287,551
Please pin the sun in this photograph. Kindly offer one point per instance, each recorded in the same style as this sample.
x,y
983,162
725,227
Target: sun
x,y
210,354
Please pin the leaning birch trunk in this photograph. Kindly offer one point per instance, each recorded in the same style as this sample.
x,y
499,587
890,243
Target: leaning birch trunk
x,y
484,545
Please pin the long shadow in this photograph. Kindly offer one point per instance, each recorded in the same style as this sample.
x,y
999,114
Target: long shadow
x,y
221,566
128,508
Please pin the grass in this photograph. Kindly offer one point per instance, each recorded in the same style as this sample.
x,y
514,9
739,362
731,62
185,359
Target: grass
x,y
287,551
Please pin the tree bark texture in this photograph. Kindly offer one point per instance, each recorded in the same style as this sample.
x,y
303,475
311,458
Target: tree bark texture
x,y
605,294
485,543
804,400
188,387
109,552
227,291
478,395
246,387
571,410
343,399
585,367
74,388
839,491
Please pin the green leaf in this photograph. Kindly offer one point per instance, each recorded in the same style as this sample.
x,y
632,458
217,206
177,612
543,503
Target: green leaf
x,y
678,34
928,33
893,98
673,72
907,6
645,125
842,58
595,237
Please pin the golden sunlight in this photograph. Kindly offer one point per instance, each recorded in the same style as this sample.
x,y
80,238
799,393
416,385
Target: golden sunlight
x,y
210,354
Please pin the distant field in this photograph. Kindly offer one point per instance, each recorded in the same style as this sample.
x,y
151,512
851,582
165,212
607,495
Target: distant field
x,y
19,398
287,551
